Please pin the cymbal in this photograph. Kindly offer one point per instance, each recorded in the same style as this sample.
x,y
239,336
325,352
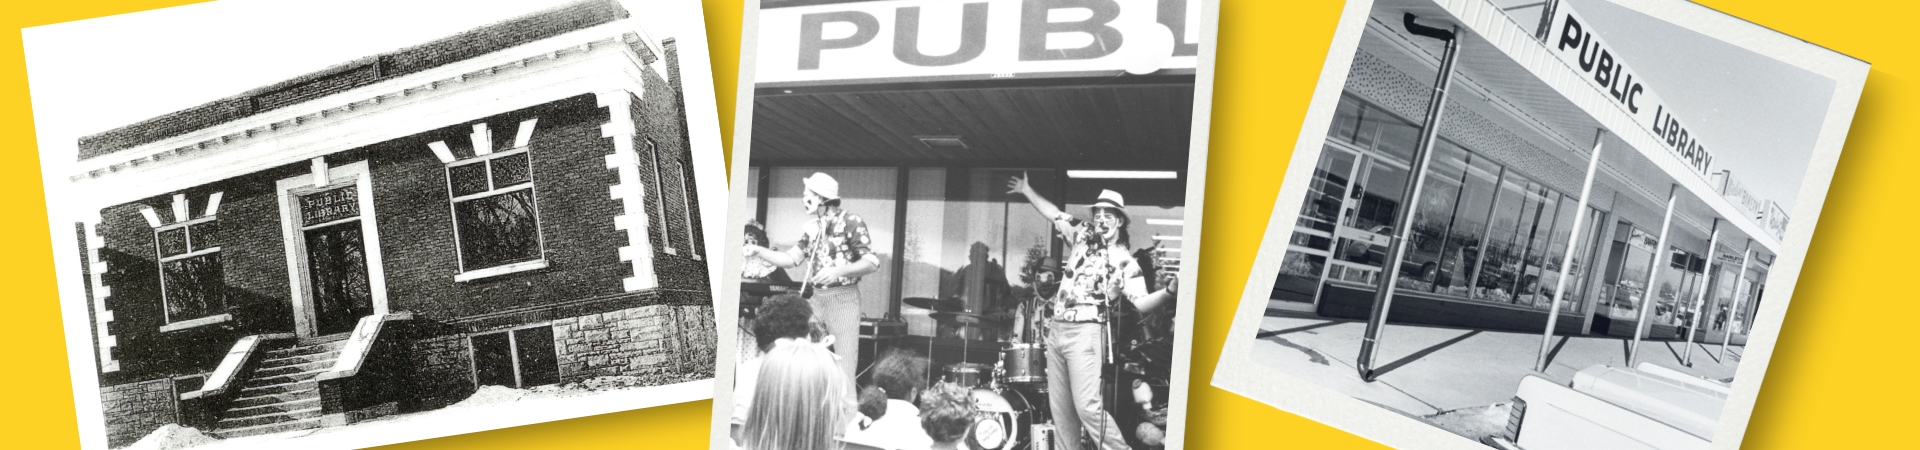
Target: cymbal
x,y
939,305
956,317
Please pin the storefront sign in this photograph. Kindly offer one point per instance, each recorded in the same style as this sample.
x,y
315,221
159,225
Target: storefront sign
x,y
1572,39
1775,220
1736,192
927,40
329,205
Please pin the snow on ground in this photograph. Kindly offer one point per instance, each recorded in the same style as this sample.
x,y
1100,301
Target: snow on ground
x,y
498,395
172,436
1474,423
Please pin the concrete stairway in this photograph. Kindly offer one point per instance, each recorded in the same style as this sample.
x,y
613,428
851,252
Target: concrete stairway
x,y
280,394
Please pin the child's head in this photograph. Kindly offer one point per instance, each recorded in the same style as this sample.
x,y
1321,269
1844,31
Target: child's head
x,y
800,400
946,411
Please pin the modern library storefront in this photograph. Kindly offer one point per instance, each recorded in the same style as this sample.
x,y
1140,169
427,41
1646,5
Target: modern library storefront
x,y
1496,215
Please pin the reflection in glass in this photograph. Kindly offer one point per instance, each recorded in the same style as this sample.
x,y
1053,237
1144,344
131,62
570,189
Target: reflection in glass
x,y
337,276
172,242
1469,222
1497,265
497,230
1379,198
205,235
1635,253
1432,215
468,179
510,170
1326,194
194,287
1534,236
1299,276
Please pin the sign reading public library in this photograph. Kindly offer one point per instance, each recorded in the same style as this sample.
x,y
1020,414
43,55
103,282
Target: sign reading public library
x,y
928,40
1571,38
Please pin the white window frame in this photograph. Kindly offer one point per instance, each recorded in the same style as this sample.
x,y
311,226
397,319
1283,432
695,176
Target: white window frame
x,y
167,319
686,205
539,229
660,193
513,353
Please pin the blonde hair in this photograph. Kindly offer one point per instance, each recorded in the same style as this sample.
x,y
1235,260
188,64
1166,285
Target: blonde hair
x,y
801,402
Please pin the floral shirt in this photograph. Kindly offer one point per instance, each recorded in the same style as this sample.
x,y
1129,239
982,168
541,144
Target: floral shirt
x,y
834,240
1093,272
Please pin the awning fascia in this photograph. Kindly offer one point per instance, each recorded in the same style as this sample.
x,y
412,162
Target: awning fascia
x,y
1517,42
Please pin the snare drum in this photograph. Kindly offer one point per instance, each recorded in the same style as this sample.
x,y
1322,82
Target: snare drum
x,y
1024,363
968,375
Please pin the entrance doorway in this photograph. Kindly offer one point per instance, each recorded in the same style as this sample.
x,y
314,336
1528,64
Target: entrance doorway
x,y
1311,245
332,249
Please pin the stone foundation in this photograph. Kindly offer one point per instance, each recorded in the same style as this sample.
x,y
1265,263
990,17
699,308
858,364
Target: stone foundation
x,y
660,340
134,409
442,371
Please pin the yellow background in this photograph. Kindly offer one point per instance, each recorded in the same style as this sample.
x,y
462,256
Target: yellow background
x,y
1841,376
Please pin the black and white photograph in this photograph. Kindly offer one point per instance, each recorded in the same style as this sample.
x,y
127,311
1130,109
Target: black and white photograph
x,y
303,224
1523,224
964,225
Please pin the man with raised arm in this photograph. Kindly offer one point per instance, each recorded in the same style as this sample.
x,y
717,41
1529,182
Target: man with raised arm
x,y
1099,269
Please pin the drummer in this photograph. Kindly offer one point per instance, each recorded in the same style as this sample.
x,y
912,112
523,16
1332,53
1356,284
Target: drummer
x,y
834,248
1099,270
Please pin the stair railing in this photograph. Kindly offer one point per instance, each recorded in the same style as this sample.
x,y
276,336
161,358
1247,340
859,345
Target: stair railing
x,y
201,408
365,378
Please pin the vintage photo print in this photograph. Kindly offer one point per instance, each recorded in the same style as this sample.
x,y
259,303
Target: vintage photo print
x,y
1541,225
964,224
355,223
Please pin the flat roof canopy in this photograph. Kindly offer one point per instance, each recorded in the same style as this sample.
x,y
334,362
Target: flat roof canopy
x,y
1117,123
1548,106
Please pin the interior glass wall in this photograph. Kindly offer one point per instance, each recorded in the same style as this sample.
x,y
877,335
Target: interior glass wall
x,y
865,191
969,241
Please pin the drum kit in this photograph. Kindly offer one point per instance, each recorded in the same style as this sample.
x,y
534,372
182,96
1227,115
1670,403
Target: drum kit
x,y
1011,394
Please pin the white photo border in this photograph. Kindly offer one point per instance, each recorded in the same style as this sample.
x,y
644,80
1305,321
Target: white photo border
x,y
741,210
1239,373
56,149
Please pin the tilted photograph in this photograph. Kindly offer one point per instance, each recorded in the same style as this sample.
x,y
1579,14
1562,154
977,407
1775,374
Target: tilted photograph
x,y
330,235
965,225
1541,225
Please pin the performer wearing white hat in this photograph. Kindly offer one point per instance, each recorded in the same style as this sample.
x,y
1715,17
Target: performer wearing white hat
x,y
1099,269
834,247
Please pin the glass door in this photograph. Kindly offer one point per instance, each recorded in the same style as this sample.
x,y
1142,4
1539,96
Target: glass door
x,y
336,260
1311,246
1366,226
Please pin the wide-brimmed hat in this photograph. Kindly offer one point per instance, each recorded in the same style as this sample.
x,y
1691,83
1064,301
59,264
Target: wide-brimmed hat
x,y
823,184
1110,199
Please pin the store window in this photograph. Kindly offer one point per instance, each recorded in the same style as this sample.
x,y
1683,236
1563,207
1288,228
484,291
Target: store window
x,y
1542,206
494,212
1633,256
1312,240
1433,216
1677,287
1379,194
1461,257
1498,265
191,280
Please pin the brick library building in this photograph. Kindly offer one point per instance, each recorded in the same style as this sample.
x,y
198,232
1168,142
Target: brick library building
x,y
509,206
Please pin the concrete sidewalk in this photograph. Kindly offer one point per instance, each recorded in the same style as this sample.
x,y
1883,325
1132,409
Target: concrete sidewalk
x,y
1427,370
